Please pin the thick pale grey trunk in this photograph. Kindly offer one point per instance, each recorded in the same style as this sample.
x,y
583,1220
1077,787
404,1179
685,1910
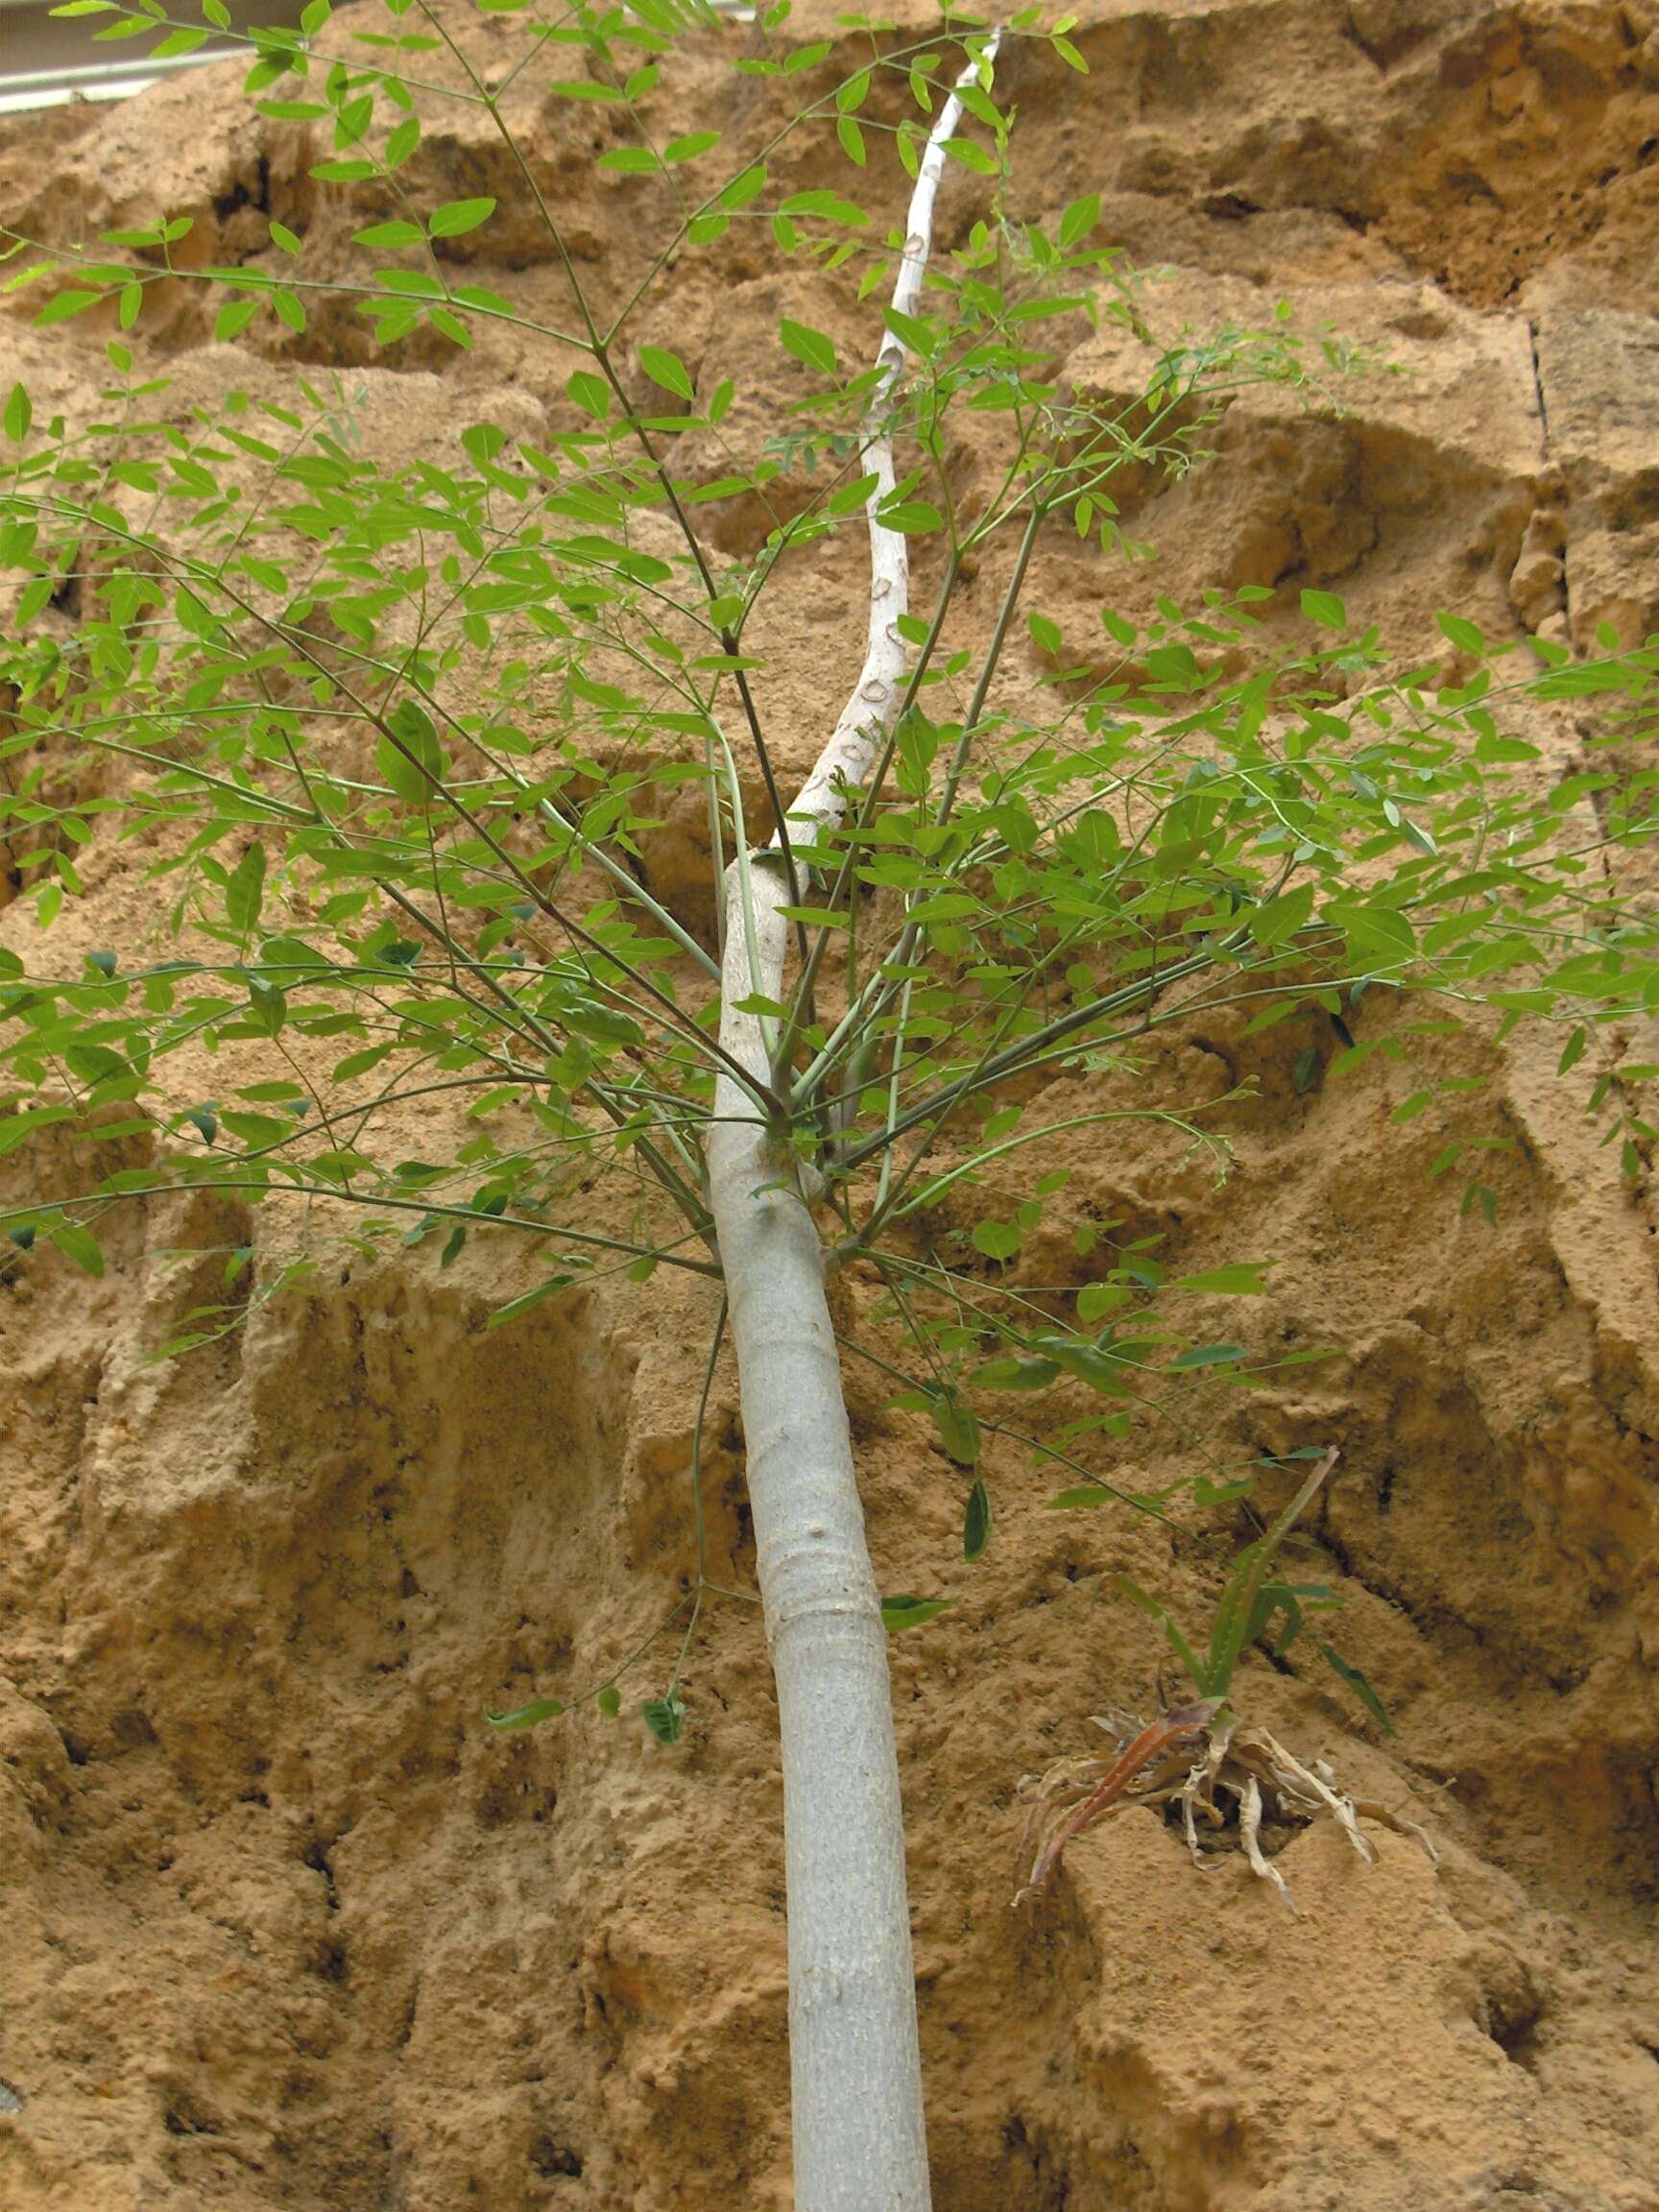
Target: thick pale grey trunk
x,y
855,2069
860,2142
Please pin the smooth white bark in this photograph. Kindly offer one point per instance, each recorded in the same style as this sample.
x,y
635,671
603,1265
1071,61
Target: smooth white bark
x,y
860,2143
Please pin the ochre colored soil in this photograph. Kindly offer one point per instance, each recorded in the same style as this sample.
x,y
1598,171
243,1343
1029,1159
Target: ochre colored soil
x,y
285,1926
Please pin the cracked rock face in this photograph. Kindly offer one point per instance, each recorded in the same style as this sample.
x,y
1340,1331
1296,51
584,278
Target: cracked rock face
x,y
284,1925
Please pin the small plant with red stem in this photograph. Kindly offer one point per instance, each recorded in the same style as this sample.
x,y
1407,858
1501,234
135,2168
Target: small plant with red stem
x,y
1199,1756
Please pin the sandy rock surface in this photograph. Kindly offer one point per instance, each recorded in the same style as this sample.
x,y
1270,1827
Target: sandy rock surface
x,y
283,1926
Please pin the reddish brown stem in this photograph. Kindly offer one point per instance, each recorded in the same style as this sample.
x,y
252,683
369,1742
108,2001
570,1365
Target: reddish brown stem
x,y
1172,1731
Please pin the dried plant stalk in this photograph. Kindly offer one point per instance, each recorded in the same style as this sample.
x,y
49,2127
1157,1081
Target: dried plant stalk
x,y
1215,1771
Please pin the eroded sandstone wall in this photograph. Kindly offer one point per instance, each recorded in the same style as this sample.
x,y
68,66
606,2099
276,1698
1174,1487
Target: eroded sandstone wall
x,y
283,1926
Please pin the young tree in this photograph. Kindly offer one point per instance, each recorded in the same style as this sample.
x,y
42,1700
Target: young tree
x,y
396,743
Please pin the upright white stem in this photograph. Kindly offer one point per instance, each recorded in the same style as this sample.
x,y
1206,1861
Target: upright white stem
x,y
860,2142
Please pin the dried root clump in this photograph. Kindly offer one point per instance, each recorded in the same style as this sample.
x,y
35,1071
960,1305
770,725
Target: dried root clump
x,y
1224,1780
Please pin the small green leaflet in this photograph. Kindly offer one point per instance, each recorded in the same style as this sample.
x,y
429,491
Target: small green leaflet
x,y
1325,609
943,906
1463,634
977,1522
80,1246
911,518
1078,220
458,216
257,1131
1242,1280
514,1307
630,161
232,318
808,345
1178,1643
667,370
18,1126
744,188
18,415
1280,919
1208,1493
921,337
591,394
1208,1356
665,1717
390,234
998,1239
267,1006
1016,1374
971,156
409,755
814,916
64,305
604,1024
909,1612
1378,936
94,1063
527,1715
245,891
958,1427
608,1700
1361,1689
